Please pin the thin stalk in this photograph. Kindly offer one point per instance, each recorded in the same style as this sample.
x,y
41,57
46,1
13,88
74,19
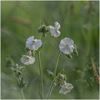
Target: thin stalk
x,y
41,73
55,71
22,94
51,87
50,90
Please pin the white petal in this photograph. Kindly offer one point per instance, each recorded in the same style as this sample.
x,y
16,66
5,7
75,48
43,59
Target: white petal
x,y
66,46
69,86
58,33
37,44
68,41
30,39
57,25
27,60
29,42
29,46
64,91
54,32
33,44
51,28
66,50
66,88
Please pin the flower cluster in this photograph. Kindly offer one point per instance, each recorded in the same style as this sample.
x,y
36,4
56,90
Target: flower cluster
x,y
53,30
32,45
64,86
66,46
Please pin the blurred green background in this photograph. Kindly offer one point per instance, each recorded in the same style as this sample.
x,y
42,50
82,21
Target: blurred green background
x,y
79,20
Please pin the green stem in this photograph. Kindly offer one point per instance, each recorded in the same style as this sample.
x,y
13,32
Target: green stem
x,y
41,73
50,90
51,87
55,71
22,94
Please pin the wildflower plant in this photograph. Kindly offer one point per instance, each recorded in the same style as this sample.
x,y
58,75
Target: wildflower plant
x,y
33,46
18,73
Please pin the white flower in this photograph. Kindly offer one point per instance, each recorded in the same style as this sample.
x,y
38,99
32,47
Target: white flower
x,y
57,25
67,46
33,44
54,30
27,60
66,88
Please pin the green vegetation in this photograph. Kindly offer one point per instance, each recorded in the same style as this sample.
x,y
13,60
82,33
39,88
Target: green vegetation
x,y
79,20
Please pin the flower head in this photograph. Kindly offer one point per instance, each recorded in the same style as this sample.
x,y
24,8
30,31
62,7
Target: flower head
x,y
54,30
27,60
42,29
67,46
66,88
33,44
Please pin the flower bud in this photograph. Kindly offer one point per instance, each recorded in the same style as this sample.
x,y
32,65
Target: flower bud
x,y
43,29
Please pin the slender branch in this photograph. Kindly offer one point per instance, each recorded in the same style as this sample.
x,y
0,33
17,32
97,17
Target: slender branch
x,y
51,89
41,73
22,94
55,71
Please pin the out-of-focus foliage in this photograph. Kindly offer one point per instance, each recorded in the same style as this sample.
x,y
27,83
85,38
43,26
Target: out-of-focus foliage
x,y
79,21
